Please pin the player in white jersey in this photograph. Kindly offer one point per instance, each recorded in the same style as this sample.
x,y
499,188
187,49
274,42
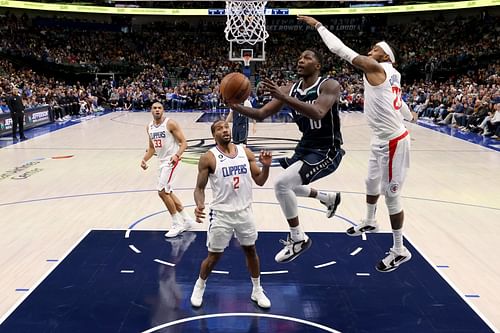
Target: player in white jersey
x,y
390,147
168,141
230,169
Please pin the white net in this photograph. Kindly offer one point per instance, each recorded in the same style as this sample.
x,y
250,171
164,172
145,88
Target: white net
x,y
246,21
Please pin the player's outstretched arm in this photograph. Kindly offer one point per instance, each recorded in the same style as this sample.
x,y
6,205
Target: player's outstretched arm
x,y
335,45
273,107
328,95
259,175
206,164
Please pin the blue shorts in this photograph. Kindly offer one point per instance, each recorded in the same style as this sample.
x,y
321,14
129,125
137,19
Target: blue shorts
x,y
240,134
318,163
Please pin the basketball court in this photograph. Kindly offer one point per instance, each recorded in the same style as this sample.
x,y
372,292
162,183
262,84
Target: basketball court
x,y
83,247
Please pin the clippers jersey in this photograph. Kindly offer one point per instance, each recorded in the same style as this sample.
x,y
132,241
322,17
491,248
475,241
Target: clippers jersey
x,y
163,141
323,133
231,181
382,104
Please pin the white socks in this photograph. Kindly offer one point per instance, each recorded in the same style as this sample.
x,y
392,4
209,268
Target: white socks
x,y
184,215
255,282
397,236
322,196
200,282
297,234
371,210
177,218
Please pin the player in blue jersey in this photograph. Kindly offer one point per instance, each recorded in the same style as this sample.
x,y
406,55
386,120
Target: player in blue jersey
x,y
240,124
313,100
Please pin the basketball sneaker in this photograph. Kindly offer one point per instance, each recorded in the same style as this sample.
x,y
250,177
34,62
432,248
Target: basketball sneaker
x,y
178,226
332,204
260,298
197,295
189,223
393,260
365,226
291,249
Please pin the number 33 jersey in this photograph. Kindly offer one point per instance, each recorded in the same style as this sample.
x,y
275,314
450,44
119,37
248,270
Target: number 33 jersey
x,y
231,182
163,141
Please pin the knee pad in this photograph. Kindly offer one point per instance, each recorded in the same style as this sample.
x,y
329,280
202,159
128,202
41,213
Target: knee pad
x,y
286,198
302,191
393,204
372,186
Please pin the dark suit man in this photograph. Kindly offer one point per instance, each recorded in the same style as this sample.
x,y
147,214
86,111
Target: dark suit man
x,y
16,106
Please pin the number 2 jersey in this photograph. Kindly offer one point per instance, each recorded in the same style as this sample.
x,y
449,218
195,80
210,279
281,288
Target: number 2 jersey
x,y
323,133
231,181
163,141
382,104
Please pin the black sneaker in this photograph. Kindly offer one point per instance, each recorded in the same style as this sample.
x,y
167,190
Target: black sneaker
x,y
292,249
332,204
365,226
393,260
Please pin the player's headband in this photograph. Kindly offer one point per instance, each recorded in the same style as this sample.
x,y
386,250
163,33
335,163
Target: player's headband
x,y
387,49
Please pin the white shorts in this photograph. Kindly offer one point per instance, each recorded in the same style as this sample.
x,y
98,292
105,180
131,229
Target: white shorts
x,y
167,176
388,164
222,225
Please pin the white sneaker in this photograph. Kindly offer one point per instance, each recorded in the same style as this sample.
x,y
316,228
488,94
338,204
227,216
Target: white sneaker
x,y
177,228
332,204
365,226
291,249
188,223
260,298
393,260
197,295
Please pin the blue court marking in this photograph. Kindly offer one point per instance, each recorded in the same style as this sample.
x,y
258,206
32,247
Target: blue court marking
x,y
22,289
52,260
466,136
88,292
256,188
442,266
135,223
472,296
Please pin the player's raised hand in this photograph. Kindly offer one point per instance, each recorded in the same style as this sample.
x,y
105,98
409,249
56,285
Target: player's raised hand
x,y
144,165
265,158
199,213
273,88
308,20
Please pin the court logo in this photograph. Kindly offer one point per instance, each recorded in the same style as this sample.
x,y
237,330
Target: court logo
x,y
280,147
20,171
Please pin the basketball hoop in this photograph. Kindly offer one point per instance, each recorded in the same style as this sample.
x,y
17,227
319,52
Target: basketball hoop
x,y
246,60
246,21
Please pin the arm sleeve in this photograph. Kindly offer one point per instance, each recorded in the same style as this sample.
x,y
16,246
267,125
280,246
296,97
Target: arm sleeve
x,y
405,111
335,45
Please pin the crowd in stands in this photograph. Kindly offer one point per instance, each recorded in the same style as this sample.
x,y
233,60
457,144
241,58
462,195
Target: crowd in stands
x,y
181,64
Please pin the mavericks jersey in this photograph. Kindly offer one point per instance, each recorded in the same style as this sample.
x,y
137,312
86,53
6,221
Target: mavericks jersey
x,y
163,141
231,181
323,133
383,104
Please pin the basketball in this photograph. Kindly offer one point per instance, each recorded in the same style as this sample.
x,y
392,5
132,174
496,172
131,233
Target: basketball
x,y
235,88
